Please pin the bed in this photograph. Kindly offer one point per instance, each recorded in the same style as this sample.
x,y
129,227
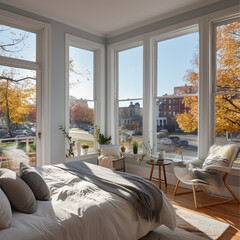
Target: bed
x,y
80,208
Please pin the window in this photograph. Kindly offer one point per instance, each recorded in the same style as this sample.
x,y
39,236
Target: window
x,y
175,67
81,101
227,87
22,109
17,98
84,74
130,95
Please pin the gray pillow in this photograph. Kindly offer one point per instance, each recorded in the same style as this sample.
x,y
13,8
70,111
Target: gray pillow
x,y
17,191
5,211
35,181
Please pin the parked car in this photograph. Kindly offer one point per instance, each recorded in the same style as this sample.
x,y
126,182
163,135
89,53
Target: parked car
x,y
174,138
137,133
21,132
162,133
91,131
182,143
20,137
166,141
126,138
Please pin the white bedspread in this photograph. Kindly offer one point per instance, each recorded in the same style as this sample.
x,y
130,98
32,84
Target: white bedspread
x,y
81,210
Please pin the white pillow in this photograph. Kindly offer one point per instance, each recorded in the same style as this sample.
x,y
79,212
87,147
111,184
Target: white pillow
x,y
5,211
228,151
220,157
113,150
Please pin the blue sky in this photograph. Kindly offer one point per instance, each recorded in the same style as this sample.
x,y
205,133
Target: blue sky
x,y
175,58
24,50
83,63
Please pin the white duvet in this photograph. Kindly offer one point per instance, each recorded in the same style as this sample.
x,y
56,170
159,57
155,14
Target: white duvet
x,y
81,210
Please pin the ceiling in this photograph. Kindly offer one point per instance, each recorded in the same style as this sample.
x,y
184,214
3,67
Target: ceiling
x,y
107,17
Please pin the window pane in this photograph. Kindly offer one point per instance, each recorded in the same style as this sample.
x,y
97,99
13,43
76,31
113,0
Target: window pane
x,y
177,117
80,92
81,122
178,65
80,73
228,52
17,117
131,73
130,123
228,119
170,125
17,43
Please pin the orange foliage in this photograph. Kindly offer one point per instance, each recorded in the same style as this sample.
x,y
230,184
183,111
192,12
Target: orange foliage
x,y
15,101
81,113
228,80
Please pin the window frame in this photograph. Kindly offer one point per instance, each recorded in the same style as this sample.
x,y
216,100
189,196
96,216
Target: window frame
x,y
214,92
98,81
127,47
43,79
191,28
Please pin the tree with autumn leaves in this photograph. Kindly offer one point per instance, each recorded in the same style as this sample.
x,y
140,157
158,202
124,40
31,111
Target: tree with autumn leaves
x,y
81,113
228,81
17,91
16,100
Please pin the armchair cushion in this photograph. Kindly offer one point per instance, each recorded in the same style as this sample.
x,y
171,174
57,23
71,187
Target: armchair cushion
x,y
220,157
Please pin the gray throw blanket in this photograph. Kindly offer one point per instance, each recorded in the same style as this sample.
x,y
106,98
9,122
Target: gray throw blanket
x,y
212,177
144,196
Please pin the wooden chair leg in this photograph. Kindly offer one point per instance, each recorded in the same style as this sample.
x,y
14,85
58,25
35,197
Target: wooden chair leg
x,y
176,187
228,188
194,196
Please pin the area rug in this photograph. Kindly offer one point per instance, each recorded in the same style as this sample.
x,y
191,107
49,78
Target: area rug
x,y
190,226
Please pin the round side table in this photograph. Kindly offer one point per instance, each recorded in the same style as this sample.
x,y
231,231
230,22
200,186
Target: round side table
x,y
160,164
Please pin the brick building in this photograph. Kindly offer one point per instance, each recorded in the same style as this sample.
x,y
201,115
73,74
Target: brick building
x,y
131,116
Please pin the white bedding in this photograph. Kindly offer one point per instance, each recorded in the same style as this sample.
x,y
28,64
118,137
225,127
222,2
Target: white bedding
x,y
81,210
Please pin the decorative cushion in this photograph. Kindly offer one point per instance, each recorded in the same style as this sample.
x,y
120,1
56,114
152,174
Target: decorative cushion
x,y
215,160
220,156
35,181
18,192
5,211
112,150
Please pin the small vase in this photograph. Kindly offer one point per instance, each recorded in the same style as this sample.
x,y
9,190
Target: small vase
x,y
123,149
78,148
135,150
161,154
85,151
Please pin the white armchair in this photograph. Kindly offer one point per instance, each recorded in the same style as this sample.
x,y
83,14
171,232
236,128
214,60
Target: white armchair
x,y
212,175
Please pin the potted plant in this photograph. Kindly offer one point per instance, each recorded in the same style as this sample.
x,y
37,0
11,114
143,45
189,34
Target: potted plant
x,y
123,148
100,138
85,149
71,143
135,146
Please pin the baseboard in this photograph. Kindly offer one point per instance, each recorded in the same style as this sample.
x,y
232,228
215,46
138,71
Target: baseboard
x,y
171,179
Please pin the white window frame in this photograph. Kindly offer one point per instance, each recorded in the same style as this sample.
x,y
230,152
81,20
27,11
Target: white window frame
x,y
222,21
43,81
113,98
193,28
99,90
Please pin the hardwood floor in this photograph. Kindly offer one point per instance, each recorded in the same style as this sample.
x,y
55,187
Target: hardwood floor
x,y
228,212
